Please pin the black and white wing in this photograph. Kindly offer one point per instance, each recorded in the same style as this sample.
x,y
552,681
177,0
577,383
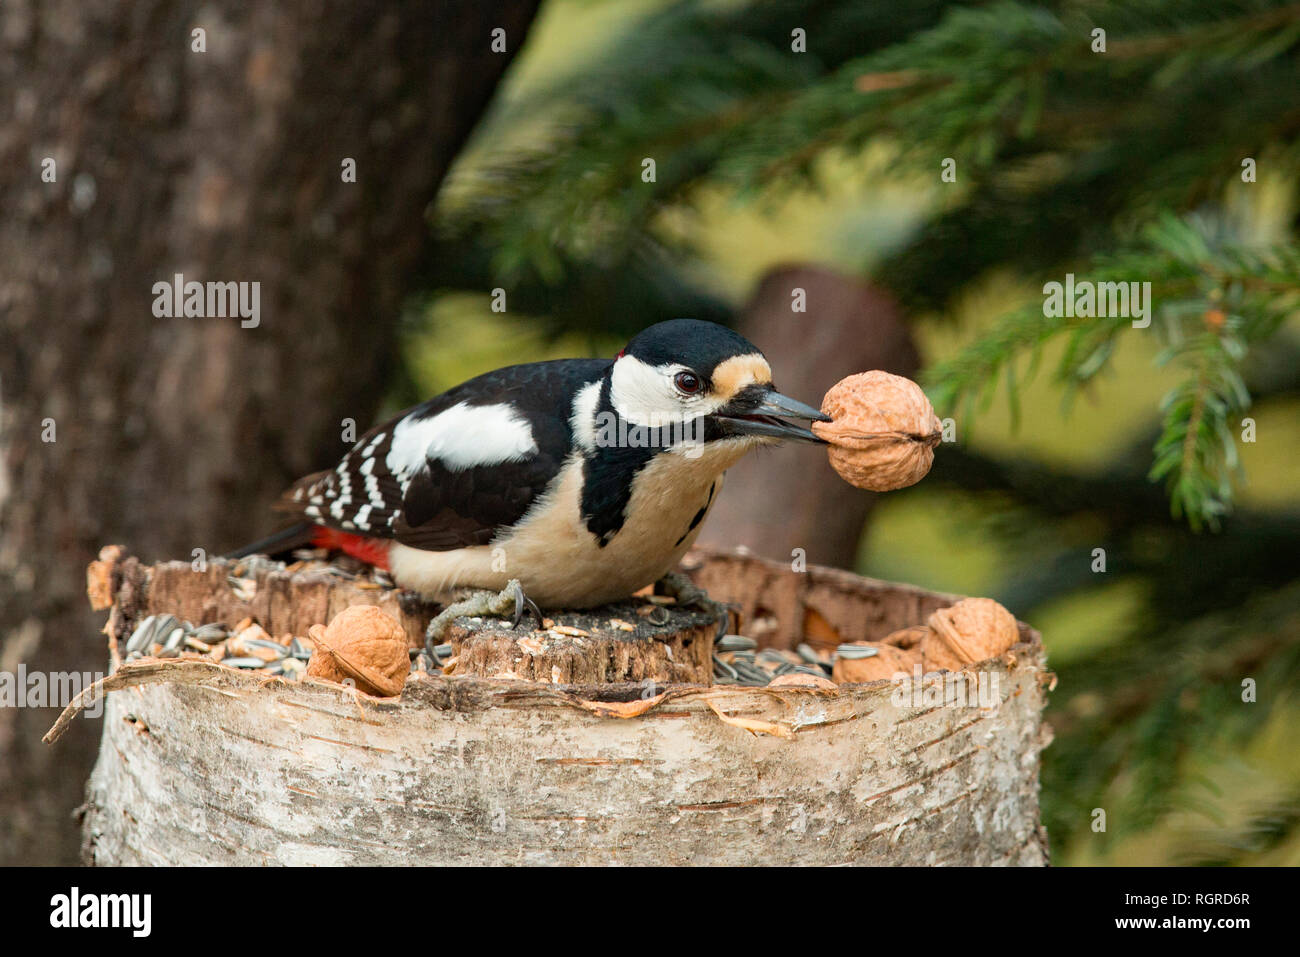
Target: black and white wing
x,y
457,469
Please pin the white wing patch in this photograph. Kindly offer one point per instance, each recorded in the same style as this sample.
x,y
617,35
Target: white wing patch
x,y
462,437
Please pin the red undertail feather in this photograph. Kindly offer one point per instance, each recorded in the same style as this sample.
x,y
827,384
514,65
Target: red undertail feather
x,y
373,551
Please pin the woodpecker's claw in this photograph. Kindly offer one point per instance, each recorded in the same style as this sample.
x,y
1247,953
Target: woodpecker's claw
x,y
688,593
523,602
496,604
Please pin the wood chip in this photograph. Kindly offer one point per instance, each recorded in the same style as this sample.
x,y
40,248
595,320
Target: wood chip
x,y
752,725
99,577
239,646
571,631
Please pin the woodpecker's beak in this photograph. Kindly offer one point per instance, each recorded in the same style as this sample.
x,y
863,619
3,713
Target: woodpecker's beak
x,y
756,411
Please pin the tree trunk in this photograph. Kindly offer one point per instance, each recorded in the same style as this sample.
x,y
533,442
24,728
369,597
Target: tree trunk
x,y
171,434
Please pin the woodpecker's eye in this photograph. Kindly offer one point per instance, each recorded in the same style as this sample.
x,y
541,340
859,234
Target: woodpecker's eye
x,y
688,382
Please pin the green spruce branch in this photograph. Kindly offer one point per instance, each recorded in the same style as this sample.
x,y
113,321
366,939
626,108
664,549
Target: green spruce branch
x,y
1216,300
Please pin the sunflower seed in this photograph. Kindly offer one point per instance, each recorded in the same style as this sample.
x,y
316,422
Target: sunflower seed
x,y
163,627
854,652
174,639
273,646
212,631
442,651
139,639
807,654
723,670
244,662
736,643
292,668
658,615
748,673
299,651
245,589
424,665
276,667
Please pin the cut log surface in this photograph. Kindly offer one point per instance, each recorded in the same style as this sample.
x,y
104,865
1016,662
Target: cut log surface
x,y
203,764
618,643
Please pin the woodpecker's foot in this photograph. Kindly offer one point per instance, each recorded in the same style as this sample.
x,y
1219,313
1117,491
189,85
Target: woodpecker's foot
x,y
692,595
511,600
686,592
522,603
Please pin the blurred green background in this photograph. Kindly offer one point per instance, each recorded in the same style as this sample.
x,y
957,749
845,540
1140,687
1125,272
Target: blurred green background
x,y
1065,155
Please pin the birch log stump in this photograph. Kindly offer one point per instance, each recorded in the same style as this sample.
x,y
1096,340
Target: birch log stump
x,y
204,764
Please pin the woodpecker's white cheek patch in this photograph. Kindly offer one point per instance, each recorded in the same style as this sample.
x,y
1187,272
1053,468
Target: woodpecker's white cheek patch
x,y
644,394
462,437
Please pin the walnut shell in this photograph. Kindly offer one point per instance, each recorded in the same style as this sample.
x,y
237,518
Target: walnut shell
x,y
883,432
972,630
365,644
907,638
887,662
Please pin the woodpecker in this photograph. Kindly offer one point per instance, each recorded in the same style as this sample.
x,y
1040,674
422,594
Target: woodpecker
x,y
582,479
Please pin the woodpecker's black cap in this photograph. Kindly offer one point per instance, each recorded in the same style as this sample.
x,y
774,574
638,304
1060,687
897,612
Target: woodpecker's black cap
x,y
693,342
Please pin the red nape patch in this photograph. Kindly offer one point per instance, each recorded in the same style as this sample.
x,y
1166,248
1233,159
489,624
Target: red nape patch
x,y
373,551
